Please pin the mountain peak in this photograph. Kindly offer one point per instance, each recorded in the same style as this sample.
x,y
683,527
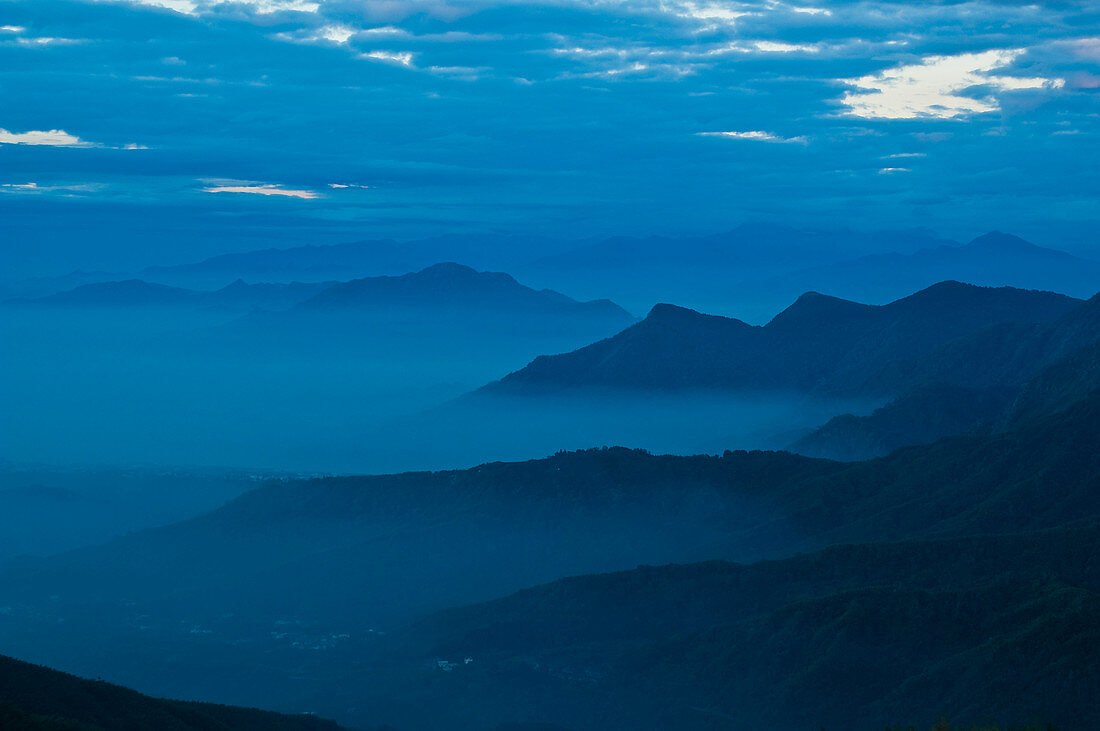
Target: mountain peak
x,y
448,267
1001,241
662,311
814,309
234,286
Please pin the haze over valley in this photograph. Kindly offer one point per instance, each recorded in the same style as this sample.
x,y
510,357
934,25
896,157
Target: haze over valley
x,y
549,365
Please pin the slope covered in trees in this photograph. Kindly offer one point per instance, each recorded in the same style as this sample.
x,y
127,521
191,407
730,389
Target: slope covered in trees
x,y
977,629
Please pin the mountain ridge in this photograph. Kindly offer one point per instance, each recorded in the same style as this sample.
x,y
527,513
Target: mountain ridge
x,y
818,343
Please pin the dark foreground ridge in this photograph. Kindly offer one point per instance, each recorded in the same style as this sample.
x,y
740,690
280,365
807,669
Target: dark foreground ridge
x,y
34,698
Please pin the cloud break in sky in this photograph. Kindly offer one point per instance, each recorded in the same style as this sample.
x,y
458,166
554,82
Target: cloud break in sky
x,y
555,117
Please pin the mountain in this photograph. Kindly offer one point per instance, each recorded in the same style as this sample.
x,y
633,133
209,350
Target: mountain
x,y
919,416
138,294
240,295
716,272
819,343
126,293
749,246
445,311
34,698
299,577
1005,354
1056,388
855,637
448,287
926,413
352,260
993,259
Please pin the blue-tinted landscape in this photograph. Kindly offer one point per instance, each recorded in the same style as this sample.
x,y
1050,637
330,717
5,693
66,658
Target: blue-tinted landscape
x,y
555,365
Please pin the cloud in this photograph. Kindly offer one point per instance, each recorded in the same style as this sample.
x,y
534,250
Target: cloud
x,y
40,42
754,134
268,189
890,171
334,33
262,7
35,188
57,138
49,138
763,47
401,58
722,12
932,89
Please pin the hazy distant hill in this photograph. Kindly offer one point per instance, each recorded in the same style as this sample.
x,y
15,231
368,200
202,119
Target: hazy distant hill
x,y
354,260
444,311
748,247
126,293
749,272
450,287
819,342
993,259
716,272
34,698
136,294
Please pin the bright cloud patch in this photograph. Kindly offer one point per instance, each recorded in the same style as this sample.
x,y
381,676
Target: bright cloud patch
x,y
724,12
241,186
194,7
47,137
400,58
932,88
339,34
36,188
754,134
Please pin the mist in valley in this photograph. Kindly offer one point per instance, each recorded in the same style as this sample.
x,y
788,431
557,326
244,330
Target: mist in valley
x,y
208,390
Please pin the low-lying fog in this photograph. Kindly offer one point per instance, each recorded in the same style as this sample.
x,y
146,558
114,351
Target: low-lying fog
x,y
100,388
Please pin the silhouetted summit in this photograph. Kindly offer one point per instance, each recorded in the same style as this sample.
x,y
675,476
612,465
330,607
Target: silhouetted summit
x,y
126,293
819,342
998,242
451,285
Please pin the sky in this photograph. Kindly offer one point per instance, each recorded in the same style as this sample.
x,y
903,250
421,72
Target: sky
x,y
138,132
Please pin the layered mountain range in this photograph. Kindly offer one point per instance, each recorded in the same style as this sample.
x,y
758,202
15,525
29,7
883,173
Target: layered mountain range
x,y
946,569
819,343
969,585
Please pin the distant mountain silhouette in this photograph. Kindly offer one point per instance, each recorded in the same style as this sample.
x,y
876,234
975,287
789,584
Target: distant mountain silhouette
x,y
267,296
751,245
137,294
450,286
126,293
993,259
35,698
353,260
818,343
